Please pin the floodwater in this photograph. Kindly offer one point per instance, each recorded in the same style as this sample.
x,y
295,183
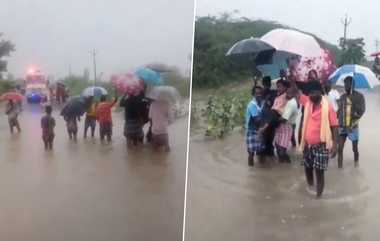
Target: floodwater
x,y
88,191
227,200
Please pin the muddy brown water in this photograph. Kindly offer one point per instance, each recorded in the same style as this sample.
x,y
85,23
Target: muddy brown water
x,y
227,200
87,191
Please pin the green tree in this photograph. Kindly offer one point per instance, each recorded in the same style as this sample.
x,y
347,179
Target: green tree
x,y
6,47
214,35
353,51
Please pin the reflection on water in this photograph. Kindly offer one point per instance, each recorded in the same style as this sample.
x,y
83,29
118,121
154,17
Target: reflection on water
x,y
88,190
230,201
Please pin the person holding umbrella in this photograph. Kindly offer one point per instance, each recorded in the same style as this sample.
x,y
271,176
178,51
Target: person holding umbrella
x,y
159,115
351,109
72,126
104,117
13,110
135,107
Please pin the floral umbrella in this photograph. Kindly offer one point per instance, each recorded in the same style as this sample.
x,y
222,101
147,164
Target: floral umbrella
x,y
128,84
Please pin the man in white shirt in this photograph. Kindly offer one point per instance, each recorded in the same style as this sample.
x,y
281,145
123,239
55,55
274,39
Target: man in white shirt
x,y
332,95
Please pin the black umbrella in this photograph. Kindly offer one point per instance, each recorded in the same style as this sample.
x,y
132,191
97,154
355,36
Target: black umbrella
x,y
252,52
75,107
253,48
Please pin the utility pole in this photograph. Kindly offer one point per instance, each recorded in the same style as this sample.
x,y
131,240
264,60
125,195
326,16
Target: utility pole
x,y
346,21
70,73
93,52
377,44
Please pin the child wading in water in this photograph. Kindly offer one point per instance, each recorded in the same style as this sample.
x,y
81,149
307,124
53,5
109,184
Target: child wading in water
x,y
12,110
47,125
159,117
104,117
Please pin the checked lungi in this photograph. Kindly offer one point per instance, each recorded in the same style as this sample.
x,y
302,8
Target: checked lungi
x,y
316,156
254,141
283,136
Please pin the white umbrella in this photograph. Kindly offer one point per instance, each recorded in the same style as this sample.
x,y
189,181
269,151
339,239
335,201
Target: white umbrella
x,y
164,93
293,42
94,91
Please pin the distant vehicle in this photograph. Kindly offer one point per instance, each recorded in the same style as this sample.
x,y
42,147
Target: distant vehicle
x,y
36,87
36,93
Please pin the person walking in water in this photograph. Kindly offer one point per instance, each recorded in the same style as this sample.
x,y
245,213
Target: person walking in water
x,y
253,121
104,117
319,134
269,95
159,117
13,110
351,109
284,132
48,125
133,123
90,120
72,126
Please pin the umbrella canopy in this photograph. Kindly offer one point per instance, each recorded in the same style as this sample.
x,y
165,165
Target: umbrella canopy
x,y
14,96
292,41
253,51
363,77
74,107
94,91
128,84
164,93
375,54
149,76
251,46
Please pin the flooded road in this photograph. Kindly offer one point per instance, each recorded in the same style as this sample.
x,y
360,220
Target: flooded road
x,y
227,200
87,191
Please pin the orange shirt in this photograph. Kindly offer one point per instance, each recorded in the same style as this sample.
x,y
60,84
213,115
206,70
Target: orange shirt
x,y
313,126
103,111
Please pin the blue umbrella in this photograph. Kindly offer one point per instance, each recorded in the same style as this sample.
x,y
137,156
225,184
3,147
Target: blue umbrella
x,y
149,76
363,77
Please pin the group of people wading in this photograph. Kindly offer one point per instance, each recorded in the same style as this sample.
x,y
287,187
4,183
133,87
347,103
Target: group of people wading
x,y
325,120
139,111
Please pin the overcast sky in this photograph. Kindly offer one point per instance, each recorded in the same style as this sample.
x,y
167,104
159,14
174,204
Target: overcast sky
x,y
54,34
321,17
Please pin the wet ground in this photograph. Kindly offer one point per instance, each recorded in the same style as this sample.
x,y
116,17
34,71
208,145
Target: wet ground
x,y
227,200
87,191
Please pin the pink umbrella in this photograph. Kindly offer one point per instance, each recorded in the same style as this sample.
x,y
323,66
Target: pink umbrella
x,y
375,54
323,65
292,41
127,83
14,96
